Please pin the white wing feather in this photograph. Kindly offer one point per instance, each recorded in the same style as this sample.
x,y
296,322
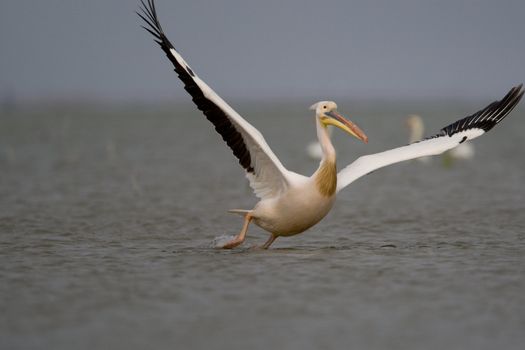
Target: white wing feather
x,y
449,137
270,177
366,164
267,176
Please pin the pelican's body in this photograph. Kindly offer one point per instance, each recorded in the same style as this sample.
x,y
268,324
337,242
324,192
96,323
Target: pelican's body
x,y
306,200
299,208
291,203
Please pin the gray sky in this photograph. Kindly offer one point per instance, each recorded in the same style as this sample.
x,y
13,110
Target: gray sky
x,y
247,49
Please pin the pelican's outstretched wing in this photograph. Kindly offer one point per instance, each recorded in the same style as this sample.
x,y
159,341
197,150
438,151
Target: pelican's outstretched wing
x,y
266,174
449,137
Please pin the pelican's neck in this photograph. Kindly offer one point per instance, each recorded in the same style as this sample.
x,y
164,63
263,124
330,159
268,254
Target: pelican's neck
x,y
326,175
324,141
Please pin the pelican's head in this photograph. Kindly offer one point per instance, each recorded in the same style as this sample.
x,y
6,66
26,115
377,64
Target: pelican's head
x,y
327,113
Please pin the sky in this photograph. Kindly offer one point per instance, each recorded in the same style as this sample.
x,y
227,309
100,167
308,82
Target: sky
x,y
272,49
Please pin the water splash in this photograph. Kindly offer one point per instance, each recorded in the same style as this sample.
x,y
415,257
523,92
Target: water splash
x,y
220,241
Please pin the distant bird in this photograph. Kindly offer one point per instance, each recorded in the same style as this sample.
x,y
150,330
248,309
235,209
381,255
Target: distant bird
x,y
289,202
417,128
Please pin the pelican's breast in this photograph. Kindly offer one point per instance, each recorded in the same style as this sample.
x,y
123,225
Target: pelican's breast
x,y
301,207
326,178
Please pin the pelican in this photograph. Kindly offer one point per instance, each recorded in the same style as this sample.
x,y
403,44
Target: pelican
x,y
291,203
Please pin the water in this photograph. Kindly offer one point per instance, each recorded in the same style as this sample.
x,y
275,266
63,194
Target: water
x,y
107,219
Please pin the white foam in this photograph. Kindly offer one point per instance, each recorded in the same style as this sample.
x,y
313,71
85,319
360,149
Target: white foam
x,y
220,241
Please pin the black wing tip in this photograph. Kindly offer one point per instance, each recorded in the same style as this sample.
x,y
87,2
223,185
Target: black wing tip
x,y
234,139
506,105
149,16
488,117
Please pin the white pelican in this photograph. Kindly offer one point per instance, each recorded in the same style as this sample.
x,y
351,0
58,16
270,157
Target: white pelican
x,y
291,203
416,128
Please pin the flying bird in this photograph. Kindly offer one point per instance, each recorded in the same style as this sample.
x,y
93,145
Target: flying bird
x,y
291,203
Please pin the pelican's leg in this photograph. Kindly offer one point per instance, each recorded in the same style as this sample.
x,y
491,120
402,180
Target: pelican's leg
x,y
241,236
269,241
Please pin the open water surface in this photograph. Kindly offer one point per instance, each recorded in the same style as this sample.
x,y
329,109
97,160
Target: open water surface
x,y
107,217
